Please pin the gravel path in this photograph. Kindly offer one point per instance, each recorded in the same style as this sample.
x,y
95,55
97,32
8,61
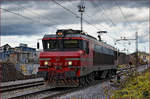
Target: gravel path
x,y
103,90
94,92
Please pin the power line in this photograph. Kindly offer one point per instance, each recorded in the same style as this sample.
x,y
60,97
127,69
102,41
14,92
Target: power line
x,y
105,20
87,14
88,22
28,18
79,17
103,9
34,12
117,4
75,14
106,16
93,19
66,9
25,17
102,12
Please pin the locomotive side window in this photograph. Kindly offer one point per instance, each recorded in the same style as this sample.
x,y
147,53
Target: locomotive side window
x,y
101,49
86,46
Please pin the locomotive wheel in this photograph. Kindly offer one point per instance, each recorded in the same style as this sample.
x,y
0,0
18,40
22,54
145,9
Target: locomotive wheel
x,y
97,75
92,77
109,74
114,72
82,81
85,81
46,77
88,79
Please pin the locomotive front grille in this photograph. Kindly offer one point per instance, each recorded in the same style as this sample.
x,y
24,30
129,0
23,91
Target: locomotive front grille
x,y
59,76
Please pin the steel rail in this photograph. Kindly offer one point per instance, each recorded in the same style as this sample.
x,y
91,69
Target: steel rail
x,y
14,85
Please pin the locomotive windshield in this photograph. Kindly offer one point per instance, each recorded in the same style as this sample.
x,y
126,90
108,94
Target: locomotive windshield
x,y
62,44
50,44
69,44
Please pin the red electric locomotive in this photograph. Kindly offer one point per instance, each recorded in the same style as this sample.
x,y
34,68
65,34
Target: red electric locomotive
x,y
73,58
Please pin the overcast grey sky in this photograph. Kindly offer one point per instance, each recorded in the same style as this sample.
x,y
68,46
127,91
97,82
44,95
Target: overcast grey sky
x,y
120,18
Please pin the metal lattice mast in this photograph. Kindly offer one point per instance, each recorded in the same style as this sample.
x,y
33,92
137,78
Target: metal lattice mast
x,y
136,44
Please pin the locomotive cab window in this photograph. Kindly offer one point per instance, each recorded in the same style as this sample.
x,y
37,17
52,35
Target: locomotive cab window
x,y
71,44
50,44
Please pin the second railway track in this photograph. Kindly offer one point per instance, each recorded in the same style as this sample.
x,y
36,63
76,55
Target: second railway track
x,y
46,92
20,86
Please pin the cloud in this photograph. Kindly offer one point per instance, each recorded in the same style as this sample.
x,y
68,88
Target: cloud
x,y
47,17
21,29
13,42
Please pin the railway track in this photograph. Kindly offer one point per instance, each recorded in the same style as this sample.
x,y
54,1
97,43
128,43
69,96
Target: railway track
x,y
34,89
21,84
46,92
11,89
56,96
43,91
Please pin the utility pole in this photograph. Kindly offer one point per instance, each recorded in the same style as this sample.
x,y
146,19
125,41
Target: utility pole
x,y
81,9
136,44
136,35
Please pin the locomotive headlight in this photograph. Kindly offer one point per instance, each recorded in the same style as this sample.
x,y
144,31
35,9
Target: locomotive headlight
x,y
70,63
46,63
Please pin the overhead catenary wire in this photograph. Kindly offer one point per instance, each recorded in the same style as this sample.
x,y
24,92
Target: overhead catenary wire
x,y
113,38
25,17
79,17
103,9
35,13
125,18
75,14
33,20
110,20
117,4
88,16
82,2
66,9
106,16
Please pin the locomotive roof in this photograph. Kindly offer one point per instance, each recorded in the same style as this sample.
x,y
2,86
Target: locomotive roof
x,y
78,33
86,37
